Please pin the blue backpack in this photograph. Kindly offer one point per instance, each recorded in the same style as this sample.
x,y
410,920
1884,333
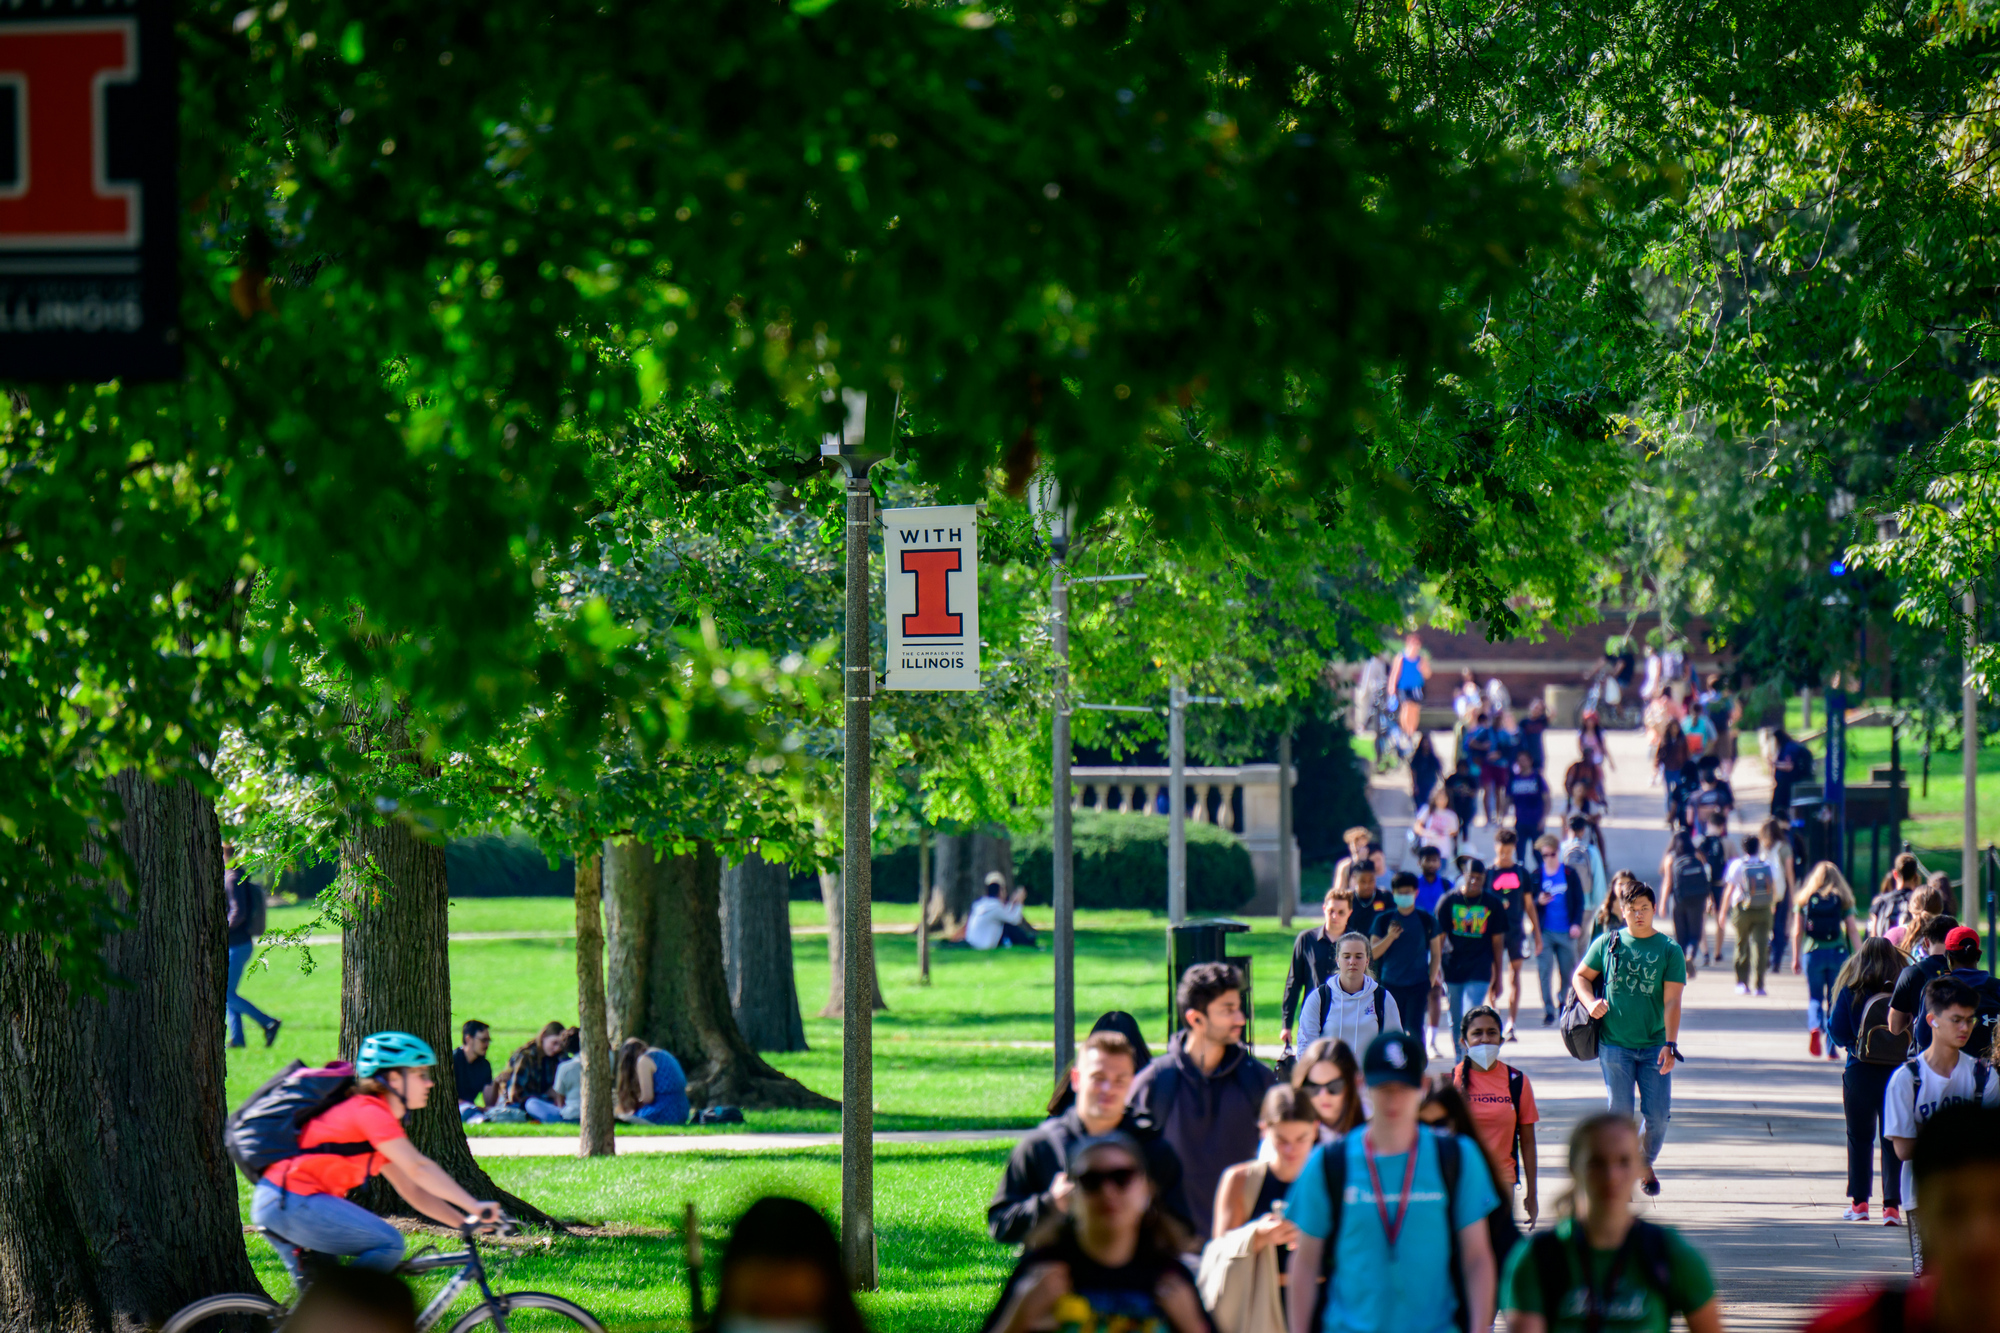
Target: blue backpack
x,y
265,1130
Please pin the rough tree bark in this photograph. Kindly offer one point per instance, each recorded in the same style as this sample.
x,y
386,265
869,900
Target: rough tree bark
x,y
757,955
395,974
595,1126
834,894
664,977
117,1203
963,862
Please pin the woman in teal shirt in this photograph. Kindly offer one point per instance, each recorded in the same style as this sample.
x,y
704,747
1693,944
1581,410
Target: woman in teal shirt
x,y
1638,1275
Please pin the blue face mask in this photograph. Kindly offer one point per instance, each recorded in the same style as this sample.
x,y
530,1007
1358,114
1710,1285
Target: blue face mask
x,y
1405,899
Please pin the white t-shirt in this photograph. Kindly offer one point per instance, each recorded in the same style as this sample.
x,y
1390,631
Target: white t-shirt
x,y
982,928
1737,877
1903,1109
1439,829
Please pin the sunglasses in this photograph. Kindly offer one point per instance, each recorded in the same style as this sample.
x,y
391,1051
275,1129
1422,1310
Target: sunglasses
x,y
1333,1087
1118,1177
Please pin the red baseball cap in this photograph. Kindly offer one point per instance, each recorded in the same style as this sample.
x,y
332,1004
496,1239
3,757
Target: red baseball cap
x,y
1962,939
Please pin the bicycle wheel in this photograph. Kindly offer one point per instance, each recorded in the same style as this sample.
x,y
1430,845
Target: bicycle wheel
x,y
529,1312
236,1312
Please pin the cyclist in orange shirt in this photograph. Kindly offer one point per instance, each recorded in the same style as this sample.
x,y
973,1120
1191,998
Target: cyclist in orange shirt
x,y
299,1199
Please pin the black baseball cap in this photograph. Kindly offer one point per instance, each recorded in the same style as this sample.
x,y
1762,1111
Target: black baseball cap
x,y
1469,864
1393,1057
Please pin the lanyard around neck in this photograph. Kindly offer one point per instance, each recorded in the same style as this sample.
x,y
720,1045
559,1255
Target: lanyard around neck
x,y
1392,1227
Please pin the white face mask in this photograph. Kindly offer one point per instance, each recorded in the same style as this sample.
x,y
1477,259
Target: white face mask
x,y
1484,1056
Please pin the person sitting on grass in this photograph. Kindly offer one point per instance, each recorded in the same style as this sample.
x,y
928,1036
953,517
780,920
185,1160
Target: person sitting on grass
x,y
1037,1180
473,1072
1112,1260
531,1075
567,1090
651,1087
995,921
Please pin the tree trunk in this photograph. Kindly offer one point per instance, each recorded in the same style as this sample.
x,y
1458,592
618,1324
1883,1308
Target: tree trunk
x,y
395,975
117,1202
595,1126
665,980
834,895
757,955
963,862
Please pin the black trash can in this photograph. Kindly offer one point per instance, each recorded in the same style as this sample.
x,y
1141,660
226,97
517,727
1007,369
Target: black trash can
x,y
1817,823
1195,942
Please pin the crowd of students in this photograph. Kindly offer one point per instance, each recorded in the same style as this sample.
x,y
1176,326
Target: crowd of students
x,y
542,1081
1360,1191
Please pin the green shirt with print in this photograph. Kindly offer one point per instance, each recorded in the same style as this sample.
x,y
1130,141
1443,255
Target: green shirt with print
x,y
1635,1305
1637,987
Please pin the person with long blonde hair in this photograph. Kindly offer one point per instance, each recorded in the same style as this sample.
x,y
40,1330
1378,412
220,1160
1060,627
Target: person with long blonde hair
x,y
1604,1258
1825,935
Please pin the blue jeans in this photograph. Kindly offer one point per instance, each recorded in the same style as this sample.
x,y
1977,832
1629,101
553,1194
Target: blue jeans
x,y
325,1224
1822,966
1624,1068
1558,955
1461,996
543,1111
239,958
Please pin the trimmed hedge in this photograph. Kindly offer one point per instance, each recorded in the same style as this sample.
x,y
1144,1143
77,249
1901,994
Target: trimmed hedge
x,y
1121,861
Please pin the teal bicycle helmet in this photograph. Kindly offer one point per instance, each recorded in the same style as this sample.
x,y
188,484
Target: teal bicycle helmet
x,y
392,1050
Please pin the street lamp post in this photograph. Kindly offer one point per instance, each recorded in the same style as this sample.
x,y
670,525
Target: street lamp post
x,y
864,440
1177,824
1055,518
1969,843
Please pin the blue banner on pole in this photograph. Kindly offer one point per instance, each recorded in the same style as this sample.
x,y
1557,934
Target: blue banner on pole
x,y
1836,747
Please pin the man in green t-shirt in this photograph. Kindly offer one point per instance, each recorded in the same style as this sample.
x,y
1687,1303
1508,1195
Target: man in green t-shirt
x,y
1641,1017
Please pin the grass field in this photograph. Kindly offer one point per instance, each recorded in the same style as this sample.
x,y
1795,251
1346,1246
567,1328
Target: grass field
x,y
939,1271
971,1050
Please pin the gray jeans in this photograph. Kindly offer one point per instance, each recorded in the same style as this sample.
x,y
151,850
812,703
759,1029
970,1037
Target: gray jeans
x,y
1556,951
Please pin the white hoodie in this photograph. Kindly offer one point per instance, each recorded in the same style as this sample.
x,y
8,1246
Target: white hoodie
x,y
1350,1018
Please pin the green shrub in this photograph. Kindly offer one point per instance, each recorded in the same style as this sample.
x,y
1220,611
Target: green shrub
x,y
1121,861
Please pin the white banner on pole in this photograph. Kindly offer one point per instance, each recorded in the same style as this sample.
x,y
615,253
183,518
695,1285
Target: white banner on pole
x,y
932,599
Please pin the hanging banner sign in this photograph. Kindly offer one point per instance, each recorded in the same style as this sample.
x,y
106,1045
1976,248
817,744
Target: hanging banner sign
x,y
932,558
88,128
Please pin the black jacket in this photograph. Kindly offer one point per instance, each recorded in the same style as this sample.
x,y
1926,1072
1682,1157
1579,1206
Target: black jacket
x,y
1312,963
1209,1120
1023,1197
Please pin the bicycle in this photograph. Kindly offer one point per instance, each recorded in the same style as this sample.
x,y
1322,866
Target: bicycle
x,y
514,1312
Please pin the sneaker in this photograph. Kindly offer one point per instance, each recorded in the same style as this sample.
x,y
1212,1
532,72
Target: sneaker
x,y
1763,994
1512,1035
1549,1020
1813,1045
1892,1216
271,1032
1742,988
1856,1212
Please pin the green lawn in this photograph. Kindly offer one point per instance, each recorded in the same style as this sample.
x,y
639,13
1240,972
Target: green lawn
x,y
939,1271
1937,817
971,1050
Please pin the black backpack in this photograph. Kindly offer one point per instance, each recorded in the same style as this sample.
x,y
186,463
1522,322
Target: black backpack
x,y
1875,1044
1825,918
265,1129
1333,1166
1690,877
1557,1278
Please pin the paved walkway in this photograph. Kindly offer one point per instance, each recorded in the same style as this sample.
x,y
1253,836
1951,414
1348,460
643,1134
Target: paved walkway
x,y
1754,1169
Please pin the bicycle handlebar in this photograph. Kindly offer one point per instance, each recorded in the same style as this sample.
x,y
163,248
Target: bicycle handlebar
x,y
473,1222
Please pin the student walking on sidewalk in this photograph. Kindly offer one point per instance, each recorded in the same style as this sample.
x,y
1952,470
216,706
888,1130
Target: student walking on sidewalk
x,y
1752,895
1859,1025
1942,1076
1640,1013
1825,935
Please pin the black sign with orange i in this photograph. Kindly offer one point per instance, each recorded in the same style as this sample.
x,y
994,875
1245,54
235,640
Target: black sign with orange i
x,y
88,129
